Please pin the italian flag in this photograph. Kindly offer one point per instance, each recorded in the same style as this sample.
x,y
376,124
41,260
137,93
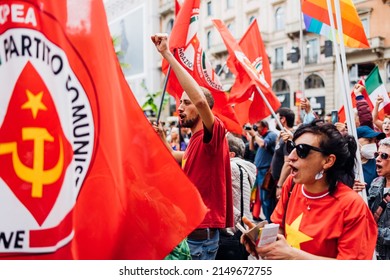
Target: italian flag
x,y
375,87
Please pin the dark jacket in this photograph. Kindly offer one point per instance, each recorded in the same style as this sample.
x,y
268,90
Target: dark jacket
x,y
364,112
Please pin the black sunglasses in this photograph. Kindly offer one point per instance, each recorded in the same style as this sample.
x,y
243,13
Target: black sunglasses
x,y
302,149
383,155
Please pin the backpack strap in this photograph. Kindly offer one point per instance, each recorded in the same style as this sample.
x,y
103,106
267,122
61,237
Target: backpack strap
x,y
242,195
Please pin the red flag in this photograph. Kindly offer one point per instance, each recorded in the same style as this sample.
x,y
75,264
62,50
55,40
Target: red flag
x,y
185,45
177,6
249,72
78,177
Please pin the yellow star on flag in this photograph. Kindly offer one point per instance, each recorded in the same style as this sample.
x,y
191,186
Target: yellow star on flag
x,y
294,236
34,103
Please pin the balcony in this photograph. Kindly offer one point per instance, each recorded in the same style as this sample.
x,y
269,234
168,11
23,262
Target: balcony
x,y
278,65
311,59
217,49
292,29
377,44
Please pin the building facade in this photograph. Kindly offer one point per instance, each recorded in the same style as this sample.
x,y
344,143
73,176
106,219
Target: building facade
x,y
279,23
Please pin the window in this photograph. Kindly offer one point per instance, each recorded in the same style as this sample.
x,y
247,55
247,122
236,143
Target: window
x,y
209,39
278,58
131,45
169,26
314,81
353,74
279,18
281,85
358,71
209,9
282,90
252,18
366,26
229,4
312,51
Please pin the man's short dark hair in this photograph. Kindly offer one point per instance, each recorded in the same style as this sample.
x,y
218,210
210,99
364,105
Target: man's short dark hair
x,y
264,123
288,114
209,97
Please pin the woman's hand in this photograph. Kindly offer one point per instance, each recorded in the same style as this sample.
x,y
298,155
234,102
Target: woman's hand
x,y
278,250
246,241
358,186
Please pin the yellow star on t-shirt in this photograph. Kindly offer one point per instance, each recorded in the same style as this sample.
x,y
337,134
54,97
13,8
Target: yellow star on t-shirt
x,y
183,163
294,236
34,103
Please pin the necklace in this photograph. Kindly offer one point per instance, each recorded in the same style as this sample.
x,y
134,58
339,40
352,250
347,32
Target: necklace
x,y
311,197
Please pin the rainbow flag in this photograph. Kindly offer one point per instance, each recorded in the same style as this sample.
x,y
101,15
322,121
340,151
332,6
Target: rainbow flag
x,y
316,19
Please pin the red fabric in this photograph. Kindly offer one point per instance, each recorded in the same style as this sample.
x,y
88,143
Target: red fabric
x,y
177,7
337,226
185,46
249,62
135,202
208,167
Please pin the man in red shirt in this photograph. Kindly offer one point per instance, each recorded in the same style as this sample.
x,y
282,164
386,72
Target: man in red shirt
x,y
206,159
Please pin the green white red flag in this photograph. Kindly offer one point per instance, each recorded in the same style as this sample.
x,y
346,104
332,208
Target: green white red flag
x,y
77,179
374,88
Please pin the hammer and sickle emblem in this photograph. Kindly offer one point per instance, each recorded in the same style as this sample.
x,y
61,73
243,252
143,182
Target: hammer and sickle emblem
x,y
36,175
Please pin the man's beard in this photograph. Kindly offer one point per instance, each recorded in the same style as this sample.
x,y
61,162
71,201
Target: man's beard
x,y
190,123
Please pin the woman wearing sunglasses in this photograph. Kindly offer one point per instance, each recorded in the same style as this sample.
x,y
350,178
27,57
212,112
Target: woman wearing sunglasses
x,y
379,199
322,217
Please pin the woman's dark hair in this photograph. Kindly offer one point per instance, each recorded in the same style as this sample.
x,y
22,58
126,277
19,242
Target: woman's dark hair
x,y
333,142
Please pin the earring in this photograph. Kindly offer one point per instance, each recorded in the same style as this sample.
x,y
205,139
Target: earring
x,y
319,175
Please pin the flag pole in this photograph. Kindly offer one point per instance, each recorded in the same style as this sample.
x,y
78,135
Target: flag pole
x,y
163,93
302,80
344,81
222,67
270,108
164,90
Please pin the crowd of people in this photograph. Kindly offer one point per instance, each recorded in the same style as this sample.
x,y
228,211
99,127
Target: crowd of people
x,y
300,176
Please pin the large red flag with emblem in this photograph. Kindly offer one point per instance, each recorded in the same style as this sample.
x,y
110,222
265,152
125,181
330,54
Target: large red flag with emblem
x,y
249,62
78,179
185,46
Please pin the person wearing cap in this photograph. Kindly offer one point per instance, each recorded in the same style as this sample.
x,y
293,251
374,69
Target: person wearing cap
x,y
368,139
